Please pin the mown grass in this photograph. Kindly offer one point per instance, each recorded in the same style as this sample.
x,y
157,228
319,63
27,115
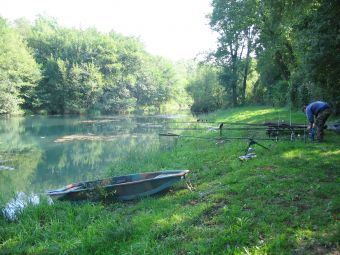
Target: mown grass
x,y
285,201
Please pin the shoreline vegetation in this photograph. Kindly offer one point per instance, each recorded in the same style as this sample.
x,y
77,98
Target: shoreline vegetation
x,y
284,201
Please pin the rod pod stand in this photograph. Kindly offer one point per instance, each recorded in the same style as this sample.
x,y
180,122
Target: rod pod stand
x,y
253,142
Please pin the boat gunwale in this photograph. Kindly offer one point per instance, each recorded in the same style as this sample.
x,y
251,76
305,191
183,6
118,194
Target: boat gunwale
x,y
180,174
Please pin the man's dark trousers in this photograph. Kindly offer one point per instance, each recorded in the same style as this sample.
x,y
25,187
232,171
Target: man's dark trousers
x,y
320,122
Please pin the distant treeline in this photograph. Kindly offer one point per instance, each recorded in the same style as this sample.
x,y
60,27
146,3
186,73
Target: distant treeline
x,y
271,52
48,68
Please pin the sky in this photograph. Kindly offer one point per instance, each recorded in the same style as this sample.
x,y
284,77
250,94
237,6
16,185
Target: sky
x,y
176,29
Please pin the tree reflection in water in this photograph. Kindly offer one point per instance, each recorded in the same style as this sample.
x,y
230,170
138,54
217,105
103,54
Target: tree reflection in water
x,y
28,145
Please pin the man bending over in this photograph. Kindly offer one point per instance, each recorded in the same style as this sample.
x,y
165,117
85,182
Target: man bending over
x,y
317,114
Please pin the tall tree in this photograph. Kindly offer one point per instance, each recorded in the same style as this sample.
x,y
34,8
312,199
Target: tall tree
x,y
234,21
19,72
206,90
317,47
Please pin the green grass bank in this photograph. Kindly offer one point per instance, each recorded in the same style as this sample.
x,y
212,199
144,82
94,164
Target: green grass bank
x,y
285,201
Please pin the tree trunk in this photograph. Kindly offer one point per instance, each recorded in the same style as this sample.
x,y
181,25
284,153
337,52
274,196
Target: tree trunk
x,y
246,70
234,80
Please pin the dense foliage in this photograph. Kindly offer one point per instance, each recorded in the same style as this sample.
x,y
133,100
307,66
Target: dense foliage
x,y
19,72
81,71
204,87
269,52
294,44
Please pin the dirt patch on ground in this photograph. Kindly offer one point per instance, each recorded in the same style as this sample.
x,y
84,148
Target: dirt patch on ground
x,y
207,216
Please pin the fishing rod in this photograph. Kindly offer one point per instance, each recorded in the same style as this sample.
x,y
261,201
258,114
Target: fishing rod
x,y
216,138
269,131
189,136
217,122
212,128
192,122
282,128
268,124
226,138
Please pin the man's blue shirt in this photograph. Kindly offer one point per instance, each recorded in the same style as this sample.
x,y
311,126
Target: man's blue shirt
x,y
314,109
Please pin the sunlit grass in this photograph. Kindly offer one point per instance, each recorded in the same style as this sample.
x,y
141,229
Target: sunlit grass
x,y
258,114
292,154
331,153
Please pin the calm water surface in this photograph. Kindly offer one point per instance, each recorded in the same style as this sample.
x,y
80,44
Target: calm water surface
x,y
38,153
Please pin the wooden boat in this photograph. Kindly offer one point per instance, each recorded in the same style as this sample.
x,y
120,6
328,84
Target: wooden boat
x,y
126,187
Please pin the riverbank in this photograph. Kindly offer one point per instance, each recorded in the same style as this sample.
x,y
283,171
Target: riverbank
x,y
283,201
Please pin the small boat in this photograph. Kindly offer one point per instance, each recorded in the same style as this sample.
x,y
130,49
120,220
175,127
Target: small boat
x,y
127,187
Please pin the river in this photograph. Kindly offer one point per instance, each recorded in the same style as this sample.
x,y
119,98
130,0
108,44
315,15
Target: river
x,y
38,153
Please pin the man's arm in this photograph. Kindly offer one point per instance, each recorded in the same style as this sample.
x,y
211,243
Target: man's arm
x,y
310,116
